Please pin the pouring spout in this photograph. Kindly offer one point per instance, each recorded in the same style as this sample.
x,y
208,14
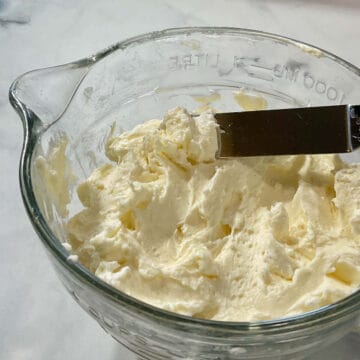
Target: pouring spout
x,y
41,96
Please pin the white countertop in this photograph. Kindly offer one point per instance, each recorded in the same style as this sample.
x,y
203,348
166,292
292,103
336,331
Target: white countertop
x,y
39,320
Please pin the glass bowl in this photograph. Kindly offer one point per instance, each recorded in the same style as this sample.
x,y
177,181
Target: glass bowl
x,y
74,105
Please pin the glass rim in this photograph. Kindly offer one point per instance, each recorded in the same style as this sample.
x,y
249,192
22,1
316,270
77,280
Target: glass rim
x,y
333,311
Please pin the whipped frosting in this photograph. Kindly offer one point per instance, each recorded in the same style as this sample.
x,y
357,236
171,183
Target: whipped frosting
x,y
236,240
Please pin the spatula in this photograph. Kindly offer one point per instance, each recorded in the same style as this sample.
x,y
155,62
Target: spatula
x,y
311,130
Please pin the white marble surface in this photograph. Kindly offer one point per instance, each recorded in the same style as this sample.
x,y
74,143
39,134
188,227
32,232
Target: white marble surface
x,y
38,319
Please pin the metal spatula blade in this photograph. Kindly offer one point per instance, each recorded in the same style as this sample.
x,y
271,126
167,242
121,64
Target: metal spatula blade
x,y
312,130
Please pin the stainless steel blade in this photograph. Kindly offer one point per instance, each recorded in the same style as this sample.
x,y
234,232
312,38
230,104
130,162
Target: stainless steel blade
x,y
312,130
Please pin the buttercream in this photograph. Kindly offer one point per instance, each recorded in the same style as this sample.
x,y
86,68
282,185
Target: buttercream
x,y
237,240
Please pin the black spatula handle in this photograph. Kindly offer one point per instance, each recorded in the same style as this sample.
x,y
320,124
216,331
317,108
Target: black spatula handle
x,y
355,125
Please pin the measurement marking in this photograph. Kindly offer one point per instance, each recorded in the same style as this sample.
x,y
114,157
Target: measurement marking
x,y
262,67
252,69
265,77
